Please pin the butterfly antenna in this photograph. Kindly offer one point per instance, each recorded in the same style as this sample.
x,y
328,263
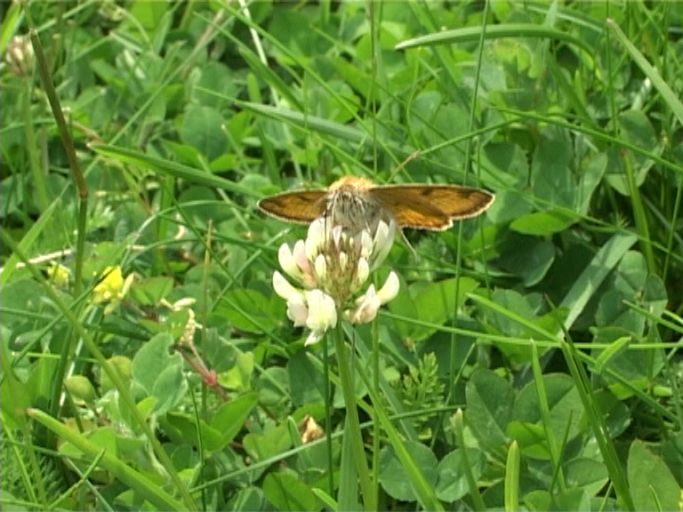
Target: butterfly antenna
x,y
412,250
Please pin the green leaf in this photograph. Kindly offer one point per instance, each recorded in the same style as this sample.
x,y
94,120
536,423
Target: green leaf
x,y
306,381
230,418
251,310
594,168
239,376
631,282
14,394
508,206
269,443
572,499
543,223
531,438
430,302
508,315
588,474
394,478
147,13
203,128
286,491
149,291
566,409
216,81
490,400
159,373
182,428
551,168
452,482
529,258
247,500
636,128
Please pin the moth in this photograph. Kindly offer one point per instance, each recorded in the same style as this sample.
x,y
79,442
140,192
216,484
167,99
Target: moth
x,y
357,203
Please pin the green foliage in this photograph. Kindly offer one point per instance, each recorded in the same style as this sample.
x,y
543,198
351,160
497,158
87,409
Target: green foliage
x,y
532,356
421,387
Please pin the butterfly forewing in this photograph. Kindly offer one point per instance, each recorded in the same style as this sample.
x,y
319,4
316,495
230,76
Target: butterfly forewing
x,y
303,206
431,206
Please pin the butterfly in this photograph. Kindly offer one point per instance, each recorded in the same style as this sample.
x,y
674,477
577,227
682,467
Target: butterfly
x,y
356,203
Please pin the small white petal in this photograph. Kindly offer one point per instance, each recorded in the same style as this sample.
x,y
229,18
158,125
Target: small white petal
x,y
320,267
315,237
382,232
297,311
183,303
314,337
384,239
390,288
343,260
310,281
287,261
322,311
337,235
366,243
362,273
282,286
306,273
366,309
299,255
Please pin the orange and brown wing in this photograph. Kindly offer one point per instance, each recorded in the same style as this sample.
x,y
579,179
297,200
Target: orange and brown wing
x,y
433,207
303,206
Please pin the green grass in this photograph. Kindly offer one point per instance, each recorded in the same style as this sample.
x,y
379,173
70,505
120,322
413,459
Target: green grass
x,y
532,357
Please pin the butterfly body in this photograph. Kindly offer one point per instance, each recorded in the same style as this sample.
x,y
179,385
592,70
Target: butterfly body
x,y
357,203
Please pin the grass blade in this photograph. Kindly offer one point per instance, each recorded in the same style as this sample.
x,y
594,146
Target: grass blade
x,y
512,478
668,95
594,274
469,34
177,170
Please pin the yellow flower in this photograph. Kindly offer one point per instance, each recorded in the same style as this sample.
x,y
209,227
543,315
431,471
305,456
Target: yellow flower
x,y
59,274
112,288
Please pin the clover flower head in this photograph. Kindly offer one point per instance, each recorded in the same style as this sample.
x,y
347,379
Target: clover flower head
x,y
330,267
19,55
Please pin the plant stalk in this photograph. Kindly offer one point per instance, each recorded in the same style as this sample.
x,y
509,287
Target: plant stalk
x,y
353,423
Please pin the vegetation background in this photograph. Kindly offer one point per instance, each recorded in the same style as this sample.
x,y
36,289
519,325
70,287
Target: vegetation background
x,y
532,358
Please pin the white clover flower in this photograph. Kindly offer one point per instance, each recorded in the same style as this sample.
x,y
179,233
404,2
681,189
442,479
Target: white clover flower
x,y
297,310
282,286
368,304
285,257
322,314
331,266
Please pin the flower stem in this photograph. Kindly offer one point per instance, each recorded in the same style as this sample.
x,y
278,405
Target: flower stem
x,y
328,416
353,423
